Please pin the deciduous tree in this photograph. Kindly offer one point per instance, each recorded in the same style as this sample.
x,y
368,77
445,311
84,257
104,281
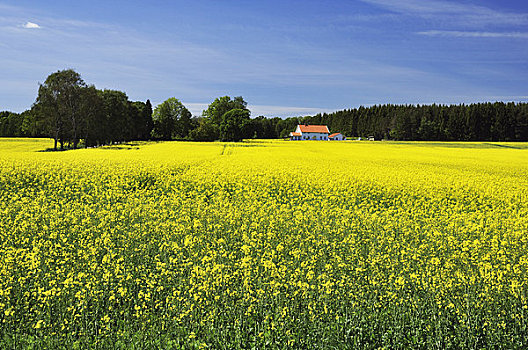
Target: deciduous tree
x,y
234,125
59,101
171,119
221,105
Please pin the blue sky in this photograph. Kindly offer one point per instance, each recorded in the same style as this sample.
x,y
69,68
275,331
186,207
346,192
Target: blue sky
x,y
284,57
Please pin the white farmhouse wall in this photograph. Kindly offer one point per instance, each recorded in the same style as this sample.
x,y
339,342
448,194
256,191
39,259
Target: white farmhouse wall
x,y
311,135
298,129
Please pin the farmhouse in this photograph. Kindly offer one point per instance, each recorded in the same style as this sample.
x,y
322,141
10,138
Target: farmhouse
x,y
310,132
336,137
313,132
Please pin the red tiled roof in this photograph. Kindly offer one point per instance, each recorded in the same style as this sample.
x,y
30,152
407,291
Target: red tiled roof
x,y
315,128
295,134
335,134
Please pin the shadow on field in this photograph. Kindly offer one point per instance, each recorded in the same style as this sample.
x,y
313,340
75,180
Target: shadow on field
x,y
119,147
125,146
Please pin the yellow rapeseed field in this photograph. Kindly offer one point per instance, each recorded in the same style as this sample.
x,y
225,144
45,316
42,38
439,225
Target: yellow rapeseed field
x,y
264,244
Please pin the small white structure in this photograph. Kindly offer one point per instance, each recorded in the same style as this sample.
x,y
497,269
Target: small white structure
x,y
336,137
310,132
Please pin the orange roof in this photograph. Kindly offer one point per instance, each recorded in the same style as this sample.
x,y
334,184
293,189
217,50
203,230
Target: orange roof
x,y
295,134
335,134
315,128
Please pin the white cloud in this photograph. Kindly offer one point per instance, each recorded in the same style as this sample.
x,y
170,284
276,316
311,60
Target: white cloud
x,y
466,34
443,11
31,25
285,111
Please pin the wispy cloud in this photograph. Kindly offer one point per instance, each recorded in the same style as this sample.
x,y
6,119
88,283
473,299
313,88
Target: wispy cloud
x,y
466,14
31,25
507,98
469,34
269,111
285,111
108,55
302,73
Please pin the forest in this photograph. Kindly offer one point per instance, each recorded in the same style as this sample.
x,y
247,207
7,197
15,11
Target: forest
x,y
497,121
76,114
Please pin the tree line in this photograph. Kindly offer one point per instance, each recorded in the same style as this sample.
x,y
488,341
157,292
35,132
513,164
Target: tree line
x,y
497,121
74,113
70,111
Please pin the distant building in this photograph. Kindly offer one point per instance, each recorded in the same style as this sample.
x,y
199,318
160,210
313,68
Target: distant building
x,y
336,137
312,132
294,136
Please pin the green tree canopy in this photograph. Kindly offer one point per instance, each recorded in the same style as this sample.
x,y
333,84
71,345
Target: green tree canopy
x,y
221,105
205,131
69,110
11,124
234,125
171,119
59,104
95,126
147,123
117,120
